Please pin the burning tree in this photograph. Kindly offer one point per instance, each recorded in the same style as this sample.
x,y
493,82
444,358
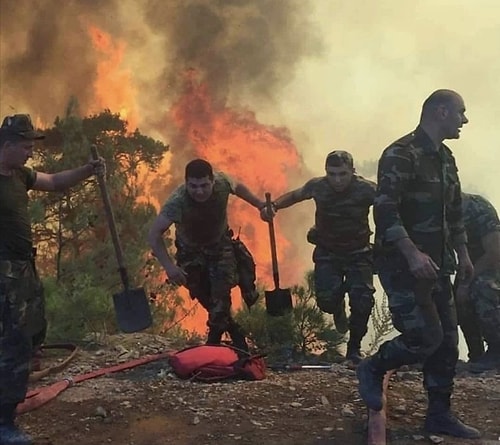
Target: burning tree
x,y
75,253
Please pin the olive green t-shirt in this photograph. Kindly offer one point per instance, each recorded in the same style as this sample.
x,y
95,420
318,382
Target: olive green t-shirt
x,y
200,223
15,224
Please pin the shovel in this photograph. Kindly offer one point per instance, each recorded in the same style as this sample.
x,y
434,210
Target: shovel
x,y
278,301
131,305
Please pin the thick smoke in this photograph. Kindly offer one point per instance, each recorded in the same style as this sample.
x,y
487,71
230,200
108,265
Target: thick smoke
x,y
238,47
47,55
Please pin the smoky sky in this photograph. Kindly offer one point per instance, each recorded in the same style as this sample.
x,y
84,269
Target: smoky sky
x,y
237,46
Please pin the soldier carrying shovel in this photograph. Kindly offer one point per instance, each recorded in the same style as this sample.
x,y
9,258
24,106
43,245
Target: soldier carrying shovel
x,y
206,258
343,255
22,317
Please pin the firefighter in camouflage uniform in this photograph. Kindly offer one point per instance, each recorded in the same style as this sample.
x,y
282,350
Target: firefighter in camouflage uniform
x,y
418,216
22,315
478,305
343,261
206,260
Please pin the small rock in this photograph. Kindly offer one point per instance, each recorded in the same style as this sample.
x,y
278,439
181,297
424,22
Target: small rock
x,y
324,401
196,420
295,404
401,409
347,411
101,412
418,437
436,439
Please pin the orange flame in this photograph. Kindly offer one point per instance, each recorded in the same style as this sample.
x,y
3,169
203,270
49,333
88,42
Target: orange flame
x,y
113,88
262,157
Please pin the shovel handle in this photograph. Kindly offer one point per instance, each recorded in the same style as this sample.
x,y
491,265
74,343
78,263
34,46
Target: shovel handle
x,y
111,221
272,238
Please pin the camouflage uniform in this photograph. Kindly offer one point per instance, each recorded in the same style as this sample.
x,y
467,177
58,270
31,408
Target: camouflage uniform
x,y
205,252
343,255
22,317
481,318
419,197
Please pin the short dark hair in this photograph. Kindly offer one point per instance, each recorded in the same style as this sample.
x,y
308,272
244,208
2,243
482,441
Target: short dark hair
x,y
199,168
337,158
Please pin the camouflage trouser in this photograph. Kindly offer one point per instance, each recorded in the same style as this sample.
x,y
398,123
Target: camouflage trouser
x,y
211,274
336,274
479,318
22,324
428,325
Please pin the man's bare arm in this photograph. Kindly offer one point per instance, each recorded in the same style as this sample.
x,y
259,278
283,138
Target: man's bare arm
x,y
290,198
58,182
155,239
243,192
490,260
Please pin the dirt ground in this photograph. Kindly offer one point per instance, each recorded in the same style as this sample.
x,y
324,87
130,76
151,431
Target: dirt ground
x,y
148,405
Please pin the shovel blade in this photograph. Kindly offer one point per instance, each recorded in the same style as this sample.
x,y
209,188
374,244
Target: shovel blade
x,y
132,310
278,302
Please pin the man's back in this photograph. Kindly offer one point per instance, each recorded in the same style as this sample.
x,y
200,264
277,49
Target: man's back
x,y
480,219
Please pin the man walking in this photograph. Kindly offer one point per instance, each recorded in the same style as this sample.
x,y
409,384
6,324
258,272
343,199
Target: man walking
x,y
418,216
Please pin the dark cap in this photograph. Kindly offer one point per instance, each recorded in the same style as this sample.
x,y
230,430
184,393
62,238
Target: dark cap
x,y
20,125
338,157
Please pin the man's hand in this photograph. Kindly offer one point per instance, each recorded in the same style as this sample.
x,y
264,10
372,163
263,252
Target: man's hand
x,y
422,266
176,275
98,166
267,214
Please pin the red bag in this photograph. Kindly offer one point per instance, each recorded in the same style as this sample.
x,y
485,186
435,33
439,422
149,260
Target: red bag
x,y
211,363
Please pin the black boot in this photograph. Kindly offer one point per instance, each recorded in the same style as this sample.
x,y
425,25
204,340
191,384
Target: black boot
x,y
214,336
440,419
370,377
354,352
237,337
10,434
489,361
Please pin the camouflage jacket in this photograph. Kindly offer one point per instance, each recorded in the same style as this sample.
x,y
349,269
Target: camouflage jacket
x,y
419,196
200,224
480,218
341,221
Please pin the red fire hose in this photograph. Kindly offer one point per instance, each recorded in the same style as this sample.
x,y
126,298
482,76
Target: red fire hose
x,y
40,396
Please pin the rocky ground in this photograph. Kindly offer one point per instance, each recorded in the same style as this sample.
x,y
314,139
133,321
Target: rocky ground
x,y
148,405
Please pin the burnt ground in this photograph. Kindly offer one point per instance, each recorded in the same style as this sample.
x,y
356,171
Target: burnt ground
x,y
148,405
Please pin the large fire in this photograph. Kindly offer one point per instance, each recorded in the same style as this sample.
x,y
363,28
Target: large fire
x,y
113,88
261,157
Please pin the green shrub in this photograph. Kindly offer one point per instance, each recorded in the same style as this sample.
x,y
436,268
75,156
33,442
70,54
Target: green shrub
x,y
75,309
301,333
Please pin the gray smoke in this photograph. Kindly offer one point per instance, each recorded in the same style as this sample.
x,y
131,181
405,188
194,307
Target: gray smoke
x,y
239,48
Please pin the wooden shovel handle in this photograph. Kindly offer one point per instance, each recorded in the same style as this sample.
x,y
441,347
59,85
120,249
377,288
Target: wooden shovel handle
x,y
272,238
111,222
